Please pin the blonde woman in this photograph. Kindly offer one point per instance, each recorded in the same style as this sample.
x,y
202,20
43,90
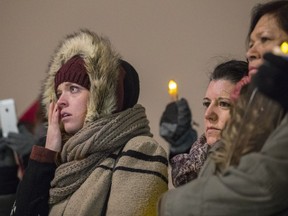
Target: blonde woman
x,y
99,157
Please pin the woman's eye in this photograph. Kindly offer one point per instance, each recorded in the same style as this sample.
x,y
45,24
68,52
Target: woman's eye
x,y
74,89
58,95
224,104
206,104
264,39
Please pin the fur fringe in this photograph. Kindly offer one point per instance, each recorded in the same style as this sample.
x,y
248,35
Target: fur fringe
x,y
102,64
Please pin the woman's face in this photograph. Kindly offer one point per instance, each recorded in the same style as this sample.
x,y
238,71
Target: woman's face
x,y
217,105
72,101
266,35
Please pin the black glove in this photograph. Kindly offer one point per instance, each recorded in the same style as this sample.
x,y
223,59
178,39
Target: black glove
x,y
175,127
272,79
7,158
21,142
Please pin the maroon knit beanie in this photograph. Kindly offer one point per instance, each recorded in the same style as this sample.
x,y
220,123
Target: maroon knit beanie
x,y
73,71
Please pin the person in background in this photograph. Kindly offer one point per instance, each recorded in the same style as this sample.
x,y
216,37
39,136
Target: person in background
x,y
99,157
8,178
217,103
14,154
247,172
268,29
33,126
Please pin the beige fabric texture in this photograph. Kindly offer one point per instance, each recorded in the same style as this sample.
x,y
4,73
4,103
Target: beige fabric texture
x,y
135,188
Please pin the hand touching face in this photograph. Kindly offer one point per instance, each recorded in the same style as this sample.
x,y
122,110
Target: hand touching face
x,y
69,110
53,139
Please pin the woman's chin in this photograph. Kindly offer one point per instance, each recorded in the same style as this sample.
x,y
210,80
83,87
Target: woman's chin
x,y
71,130
212,140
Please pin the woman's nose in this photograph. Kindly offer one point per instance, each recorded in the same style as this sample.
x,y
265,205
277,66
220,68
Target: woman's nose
x,y
62,102
253,53
211,114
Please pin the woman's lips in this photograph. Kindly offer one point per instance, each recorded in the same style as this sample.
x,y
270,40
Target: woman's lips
x,y
64,115
253,70
209,129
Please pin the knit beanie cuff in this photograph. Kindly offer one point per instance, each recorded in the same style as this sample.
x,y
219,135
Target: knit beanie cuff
x,y
73,71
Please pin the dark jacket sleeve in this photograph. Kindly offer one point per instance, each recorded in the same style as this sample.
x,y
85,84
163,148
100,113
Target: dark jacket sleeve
x,y
33,191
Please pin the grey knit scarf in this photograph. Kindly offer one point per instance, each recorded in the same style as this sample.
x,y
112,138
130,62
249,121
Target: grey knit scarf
x,y
91,145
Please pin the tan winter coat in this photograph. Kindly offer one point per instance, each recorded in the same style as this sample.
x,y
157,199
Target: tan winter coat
x,y
139,179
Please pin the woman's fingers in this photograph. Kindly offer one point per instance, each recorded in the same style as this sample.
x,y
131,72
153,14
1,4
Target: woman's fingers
x,y
50,111
53,139
53,113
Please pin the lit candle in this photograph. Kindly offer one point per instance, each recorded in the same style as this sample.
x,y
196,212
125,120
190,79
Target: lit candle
x,y
281,50
173,90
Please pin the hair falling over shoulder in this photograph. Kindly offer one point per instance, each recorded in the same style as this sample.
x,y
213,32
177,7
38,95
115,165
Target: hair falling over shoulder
x,y
253,118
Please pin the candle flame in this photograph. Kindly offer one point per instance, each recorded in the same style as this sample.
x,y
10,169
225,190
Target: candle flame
x,y
172,87
284,47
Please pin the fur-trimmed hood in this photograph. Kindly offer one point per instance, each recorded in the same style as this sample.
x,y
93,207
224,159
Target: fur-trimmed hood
x,y
102,64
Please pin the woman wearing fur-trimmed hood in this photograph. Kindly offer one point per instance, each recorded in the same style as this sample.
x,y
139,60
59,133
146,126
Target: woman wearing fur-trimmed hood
x,y
108,162
101,64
